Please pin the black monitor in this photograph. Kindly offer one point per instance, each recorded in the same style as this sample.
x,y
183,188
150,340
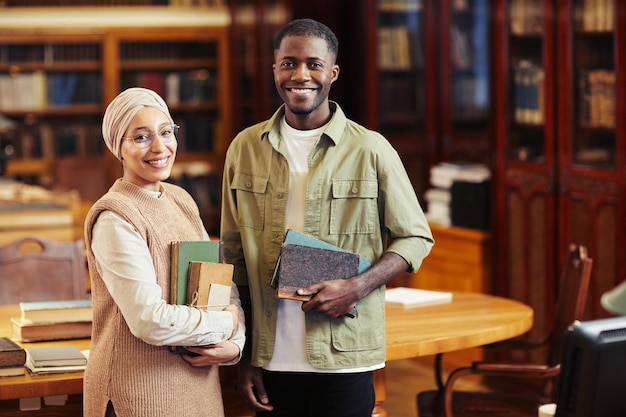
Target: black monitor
x,y
593,374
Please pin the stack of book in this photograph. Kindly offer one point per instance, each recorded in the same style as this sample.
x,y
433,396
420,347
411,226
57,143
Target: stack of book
x,y
458,191
53,320
12,358
55,359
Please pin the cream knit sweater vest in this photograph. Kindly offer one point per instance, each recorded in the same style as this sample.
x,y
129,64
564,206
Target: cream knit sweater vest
x,y
138,378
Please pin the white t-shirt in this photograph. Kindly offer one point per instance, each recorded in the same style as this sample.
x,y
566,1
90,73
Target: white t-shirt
x,y
290,347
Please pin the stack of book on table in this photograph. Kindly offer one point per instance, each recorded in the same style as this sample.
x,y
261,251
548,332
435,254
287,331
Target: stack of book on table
x,y
55,359
53,320
12,358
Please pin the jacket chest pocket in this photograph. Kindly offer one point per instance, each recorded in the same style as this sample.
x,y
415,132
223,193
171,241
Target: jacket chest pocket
x,y
251,193
353,208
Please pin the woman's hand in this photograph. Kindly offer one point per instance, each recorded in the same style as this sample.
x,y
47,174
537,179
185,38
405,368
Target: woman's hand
x,y
225,351
234,310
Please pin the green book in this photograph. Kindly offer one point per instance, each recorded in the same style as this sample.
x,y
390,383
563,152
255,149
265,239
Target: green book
x,y
183,252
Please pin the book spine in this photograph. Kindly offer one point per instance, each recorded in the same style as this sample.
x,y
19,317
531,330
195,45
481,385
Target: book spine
x,y
174,273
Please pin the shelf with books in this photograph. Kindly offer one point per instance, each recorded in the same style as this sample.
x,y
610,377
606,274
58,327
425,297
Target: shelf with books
x,y
255,24
35,76
594,142
185,73
526,79
77,67
400,66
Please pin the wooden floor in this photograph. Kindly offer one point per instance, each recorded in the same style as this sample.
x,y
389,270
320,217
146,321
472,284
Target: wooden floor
x,y
405,378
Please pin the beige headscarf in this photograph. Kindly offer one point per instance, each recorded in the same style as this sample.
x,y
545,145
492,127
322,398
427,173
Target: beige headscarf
x,y
121,111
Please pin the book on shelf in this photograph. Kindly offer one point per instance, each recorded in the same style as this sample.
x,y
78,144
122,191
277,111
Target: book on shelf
x,y
11,354
305,260
56,311
182,253
55,356
416,297
209,285
38,332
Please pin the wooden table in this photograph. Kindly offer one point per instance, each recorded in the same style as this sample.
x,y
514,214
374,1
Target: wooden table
x,y
470,320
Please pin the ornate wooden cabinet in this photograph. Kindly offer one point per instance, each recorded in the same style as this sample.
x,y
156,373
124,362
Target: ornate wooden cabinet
x,y
558,79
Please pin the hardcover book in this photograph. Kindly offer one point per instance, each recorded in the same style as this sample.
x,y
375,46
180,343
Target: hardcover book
x,y
414,296
57,355
183,252
56,311
298,238
37,332
12,370
209,285
301,266
11,354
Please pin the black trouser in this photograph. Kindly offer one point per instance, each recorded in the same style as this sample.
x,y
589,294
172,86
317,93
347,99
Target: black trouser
x,y
295,394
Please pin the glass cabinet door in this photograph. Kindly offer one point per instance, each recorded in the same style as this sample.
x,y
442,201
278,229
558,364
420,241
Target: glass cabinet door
x,y
593,142
401,66
592,139
254,26
527,110
465,70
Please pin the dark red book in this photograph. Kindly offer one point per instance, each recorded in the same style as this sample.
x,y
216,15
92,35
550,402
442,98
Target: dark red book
x,y
11,354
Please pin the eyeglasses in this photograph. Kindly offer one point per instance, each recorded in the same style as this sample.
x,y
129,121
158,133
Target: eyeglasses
x,y
167,134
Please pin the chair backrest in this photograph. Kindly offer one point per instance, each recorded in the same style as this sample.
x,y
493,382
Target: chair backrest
x,y
36,269
572,298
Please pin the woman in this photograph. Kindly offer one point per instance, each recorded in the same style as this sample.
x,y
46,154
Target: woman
x,y
131,370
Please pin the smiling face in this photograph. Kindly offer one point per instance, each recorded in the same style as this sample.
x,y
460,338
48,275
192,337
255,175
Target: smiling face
x,y
304,70
147,167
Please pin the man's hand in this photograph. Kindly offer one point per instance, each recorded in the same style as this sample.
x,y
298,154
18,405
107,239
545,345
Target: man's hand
x,y
225,351
334,298
251,386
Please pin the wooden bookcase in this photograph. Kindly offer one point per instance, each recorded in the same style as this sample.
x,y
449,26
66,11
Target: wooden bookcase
x,y
254,26
560,148
76,60
428,81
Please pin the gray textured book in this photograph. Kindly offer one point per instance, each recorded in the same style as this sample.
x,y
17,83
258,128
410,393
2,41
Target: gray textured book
x,y
301,266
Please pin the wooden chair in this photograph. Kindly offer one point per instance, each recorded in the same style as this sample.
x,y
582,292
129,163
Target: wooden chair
x,y
445,401
37,269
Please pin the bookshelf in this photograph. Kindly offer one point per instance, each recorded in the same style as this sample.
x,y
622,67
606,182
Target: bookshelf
x,y
254,26
76,60
430,90
559,146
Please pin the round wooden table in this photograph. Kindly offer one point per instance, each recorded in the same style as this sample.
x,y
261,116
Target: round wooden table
x,y
469,320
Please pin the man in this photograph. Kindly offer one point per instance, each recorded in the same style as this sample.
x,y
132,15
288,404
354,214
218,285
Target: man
x,y
310,169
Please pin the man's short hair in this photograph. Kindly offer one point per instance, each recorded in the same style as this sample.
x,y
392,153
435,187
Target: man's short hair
x,y
308,27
